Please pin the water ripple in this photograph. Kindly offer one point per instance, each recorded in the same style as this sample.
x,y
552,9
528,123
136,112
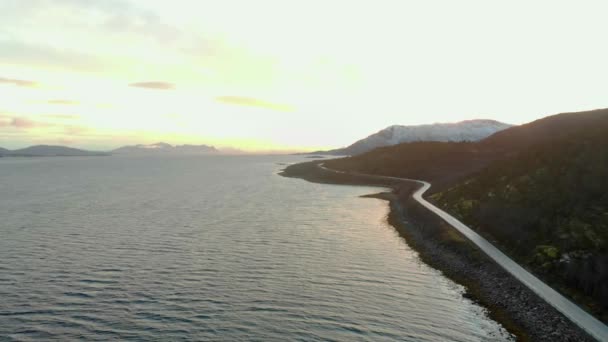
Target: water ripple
x,y
210,248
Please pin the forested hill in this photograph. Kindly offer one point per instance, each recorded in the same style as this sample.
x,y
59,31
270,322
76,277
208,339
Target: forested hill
x,y
548,207
539,191
547,129
445,163
441,163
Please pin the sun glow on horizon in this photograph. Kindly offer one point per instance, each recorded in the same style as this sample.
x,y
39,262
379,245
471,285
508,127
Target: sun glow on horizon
x,y
280,76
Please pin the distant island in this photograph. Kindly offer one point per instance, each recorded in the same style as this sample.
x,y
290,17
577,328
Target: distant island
x,y
140,149
468,130
49,151
162,147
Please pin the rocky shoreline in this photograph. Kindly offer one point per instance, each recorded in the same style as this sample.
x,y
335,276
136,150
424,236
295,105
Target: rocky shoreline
x,y
509,302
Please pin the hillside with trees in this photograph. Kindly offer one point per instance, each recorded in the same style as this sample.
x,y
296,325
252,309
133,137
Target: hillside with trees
x,y
548,207
445,163
539,191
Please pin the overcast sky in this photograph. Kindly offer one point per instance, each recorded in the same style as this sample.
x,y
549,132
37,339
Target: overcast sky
x,y
287,75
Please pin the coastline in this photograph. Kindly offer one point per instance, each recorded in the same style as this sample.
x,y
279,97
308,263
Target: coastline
x,y
507,301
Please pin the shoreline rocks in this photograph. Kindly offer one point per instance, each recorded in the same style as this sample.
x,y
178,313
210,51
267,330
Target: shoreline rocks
x,y
508,301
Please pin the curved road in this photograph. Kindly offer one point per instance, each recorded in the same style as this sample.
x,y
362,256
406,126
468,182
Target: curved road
x,y
577,315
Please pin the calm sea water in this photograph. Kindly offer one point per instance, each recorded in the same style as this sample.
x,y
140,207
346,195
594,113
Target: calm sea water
x,y
210,248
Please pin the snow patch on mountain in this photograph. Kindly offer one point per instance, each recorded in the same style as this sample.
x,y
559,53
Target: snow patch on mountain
x,y
469,130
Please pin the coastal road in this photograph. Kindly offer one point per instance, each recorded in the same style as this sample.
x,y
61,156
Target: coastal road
x,y
587,322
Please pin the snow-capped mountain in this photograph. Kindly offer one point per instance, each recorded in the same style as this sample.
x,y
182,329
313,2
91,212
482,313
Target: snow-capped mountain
x,y
469,130
162,147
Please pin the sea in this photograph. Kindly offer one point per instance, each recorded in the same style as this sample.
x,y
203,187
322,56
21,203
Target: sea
x,y
211,248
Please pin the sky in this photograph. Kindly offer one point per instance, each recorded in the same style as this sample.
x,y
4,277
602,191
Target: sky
x,y
281,75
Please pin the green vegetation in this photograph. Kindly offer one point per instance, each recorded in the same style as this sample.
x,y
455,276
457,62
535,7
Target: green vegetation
x,y
547,206
437,162
539,191
445,163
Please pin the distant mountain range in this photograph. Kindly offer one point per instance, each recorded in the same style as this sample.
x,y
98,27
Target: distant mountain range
x,y
49,151
63,151
469,130
162,147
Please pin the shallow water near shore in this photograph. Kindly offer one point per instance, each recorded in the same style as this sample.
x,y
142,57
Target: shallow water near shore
x,y
211,248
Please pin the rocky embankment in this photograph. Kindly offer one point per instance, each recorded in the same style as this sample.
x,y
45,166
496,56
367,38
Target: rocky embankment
x,y
508,301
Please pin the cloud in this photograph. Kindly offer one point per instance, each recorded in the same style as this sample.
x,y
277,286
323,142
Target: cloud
x,y
45,55
19,83
62,116
153,85
76,130
10,124
93,28
63,102
16,123
23,123
19,123
121,17
116,16
252,102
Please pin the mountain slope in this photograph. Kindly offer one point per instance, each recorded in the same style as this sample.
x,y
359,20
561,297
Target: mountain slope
x,y
547,129
165,148
440,163
549,207
470,130
444,163
52,151
539,191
